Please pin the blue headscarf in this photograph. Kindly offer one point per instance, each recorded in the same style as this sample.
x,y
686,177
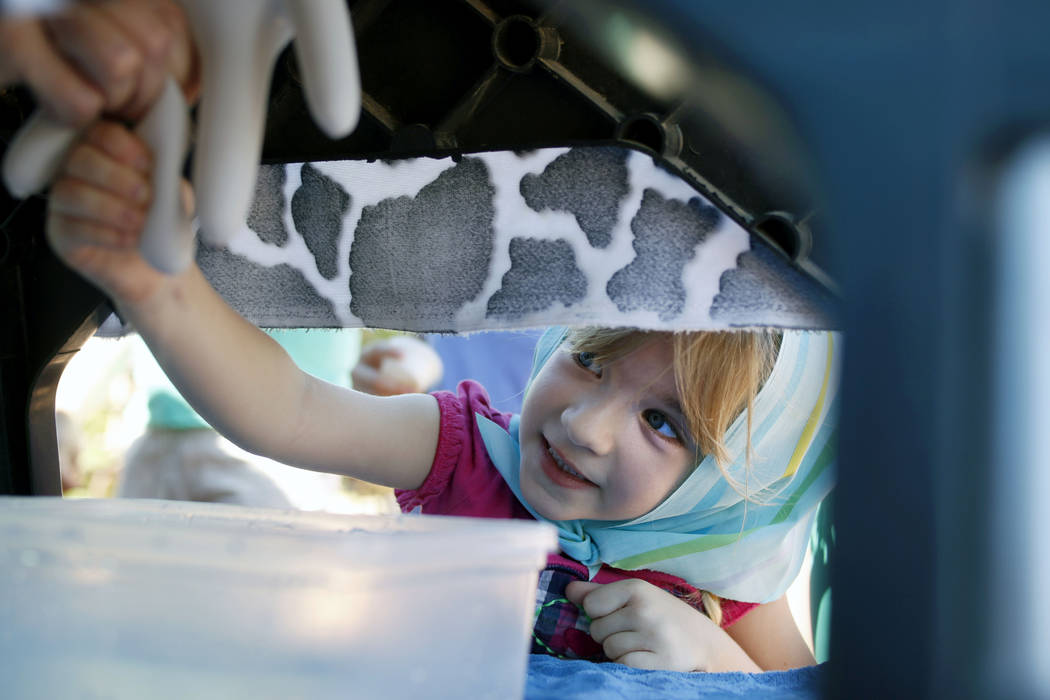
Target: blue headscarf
x,y
742,548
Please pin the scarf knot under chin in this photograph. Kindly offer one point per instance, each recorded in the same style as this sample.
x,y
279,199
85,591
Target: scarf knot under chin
x,y
747,549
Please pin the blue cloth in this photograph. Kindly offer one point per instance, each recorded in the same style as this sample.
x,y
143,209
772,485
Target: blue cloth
x,y
551,678
497,360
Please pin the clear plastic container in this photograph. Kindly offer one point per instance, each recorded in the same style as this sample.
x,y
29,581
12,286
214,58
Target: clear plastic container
x,y
161,599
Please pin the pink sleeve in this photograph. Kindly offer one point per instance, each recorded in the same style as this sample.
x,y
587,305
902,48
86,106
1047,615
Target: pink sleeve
x,y
733,610
462,479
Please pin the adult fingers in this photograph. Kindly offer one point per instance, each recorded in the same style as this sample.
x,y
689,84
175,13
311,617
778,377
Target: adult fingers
x,y
160,31
151,36
183,59
100,49
10,28
29,56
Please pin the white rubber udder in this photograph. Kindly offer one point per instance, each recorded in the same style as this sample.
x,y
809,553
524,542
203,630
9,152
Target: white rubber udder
x,y
239,41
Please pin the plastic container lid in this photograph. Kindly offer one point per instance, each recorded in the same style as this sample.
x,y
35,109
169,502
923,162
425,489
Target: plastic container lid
x,y
195,599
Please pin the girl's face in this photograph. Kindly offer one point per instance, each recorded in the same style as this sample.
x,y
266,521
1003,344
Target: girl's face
x,y
603,443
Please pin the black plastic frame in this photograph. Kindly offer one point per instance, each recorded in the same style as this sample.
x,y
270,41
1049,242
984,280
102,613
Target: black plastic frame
x,y
901,109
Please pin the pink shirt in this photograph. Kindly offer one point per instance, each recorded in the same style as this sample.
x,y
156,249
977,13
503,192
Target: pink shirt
x,y
463,481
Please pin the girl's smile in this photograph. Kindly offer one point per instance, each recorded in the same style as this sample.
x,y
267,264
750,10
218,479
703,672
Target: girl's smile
x,y
559,471
603,443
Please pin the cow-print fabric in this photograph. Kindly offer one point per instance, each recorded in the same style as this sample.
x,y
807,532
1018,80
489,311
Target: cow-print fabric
x,y
585,235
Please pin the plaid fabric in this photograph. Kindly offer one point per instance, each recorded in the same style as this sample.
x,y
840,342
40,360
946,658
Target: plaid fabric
x,y
560,628
463,481
563,630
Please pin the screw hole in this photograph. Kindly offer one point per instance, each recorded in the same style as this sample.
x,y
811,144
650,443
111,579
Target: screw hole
x,y
516,43
781,231
644,130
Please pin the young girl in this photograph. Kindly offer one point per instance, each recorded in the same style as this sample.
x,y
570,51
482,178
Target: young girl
x,y
673,479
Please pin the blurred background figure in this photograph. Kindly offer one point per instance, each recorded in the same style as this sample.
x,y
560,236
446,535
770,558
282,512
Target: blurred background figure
x,y
124,431
69,442
180,456
498,360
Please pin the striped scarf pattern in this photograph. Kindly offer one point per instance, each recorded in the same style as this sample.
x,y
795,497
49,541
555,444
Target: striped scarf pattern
x,y
744,543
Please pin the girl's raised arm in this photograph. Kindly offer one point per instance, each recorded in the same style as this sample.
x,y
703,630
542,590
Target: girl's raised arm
x,y
238,378
248,388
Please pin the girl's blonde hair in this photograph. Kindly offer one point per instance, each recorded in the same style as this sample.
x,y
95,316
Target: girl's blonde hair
x,y
717,375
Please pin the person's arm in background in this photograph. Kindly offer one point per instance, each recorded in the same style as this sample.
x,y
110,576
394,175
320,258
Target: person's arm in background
x,y
401,364
105,57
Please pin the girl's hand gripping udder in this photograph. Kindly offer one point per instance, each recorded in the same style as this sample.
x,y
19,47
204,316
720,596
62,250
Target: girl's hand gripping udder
x,y
239,379
643,626
97,211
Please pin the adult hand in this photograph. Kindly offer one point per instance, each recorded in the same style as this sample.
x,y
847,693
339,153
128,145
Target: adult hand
x,y
104,56
398,365
643,626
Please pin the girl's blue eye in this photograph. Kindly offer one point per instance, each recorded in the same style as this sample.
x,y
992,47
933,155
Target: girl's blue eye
x,y
587,361
658,422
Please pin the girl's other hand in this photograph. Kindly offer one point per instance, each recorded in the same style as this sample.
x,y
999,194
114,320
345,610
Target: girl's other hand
x,y
97,210
643,626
